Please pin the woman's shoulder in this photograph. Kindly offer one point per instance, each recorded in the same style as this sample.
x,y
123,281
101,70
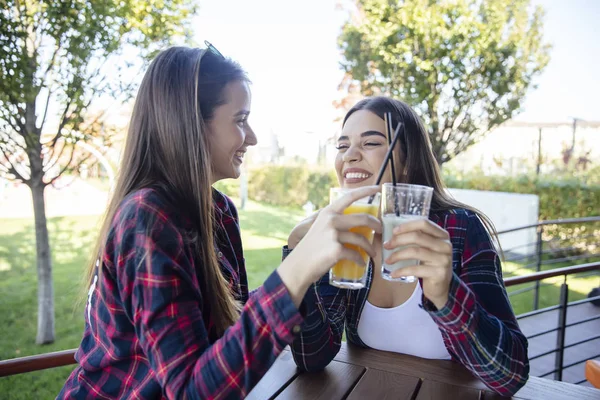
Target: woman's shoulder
x,y
224,203
463,223
146,201
147,209
142,215
467,228
454,217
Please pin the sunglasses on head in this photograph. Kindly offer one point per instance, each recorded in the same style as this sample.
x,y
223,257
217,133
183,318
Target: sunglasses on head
x,y
213,49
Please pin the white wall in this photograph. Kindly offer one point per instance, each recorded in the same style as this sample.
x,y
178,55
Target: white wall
x,y
506,210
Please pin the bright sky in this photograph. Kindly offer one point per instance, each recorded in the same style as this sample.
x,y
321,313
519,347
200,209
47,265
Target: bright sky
x,y
289,50
290,53
570,85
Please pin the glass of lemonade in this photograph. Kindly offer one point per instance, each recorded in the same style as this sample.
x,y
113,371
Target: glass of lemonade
x,y
401,203
345,273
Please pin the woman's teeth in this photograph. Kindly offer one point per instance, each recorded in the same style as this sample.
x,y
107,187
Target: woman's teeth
x,y
356,175
239,154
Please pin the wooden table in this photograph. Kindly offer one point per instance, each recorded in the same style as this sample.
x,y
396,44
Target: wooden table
x,y
357,374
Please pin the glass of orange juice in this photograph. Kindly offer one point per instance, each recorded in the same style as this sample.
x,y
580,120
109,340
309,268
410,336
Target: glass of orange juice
x,y
345,273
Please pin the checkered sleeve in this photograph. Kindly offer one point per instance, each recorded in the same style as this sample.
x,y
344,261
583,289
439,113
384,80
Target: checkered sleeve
x,y
159,288
321,335
477,322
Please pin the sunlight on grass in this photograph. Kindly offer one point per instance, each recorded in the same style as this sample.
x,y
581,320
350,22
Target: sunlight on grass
x,y
4,265
254,242
70,241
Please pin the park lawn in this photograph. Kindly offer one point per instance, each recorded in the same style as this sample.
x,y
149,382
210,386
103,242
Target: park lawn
x,y
71,241
264,231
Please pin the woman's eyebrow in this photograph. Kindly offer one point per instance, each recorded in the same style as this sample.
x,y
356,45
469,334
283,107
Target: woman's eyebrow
x,y
364,134
241,112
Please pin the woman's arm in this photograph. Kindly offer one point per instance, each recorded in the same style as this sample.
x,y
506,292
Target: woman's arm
x,y
478,321
321,335
159,289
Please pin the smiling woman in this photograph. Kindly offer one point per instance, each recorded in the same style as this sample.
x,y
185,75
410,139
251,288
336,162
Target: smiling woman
x,y
374,142
168,309
229,134
457,309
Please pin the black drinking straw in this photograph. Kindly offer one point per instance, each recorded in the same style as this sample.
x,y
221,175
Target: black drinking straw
x,y
388,133
387,158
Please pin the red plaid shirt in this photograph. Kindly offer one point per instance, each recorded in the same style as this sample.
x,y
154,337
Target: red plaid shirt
x,y
148,330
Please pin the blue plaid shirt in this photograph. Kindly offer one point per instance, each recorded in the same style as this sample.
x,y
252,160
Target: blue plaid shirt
x,y
477,324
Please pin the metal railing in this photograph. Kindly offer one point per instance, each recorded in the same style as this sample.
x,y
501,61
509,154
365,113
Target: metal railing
x,y
562,308
38,362
551,249
66,357
556,242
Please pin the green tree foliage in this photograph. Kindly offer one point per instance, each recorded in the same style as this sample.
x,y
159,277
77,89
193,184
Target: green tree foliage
x,y
464,65
56,58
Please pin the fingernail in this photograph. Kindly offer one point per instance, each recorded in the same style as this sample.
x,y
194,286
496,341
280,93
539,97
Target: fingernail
x,y
398,229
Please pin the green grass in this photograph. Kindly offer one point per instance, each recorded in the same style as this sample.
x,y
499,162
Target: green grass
x,y
549,294
71,240
264,228
264,231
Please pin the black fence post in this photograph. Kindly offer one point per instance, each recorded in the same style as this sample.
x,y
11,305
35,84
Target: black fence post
x,y
560,333
536,294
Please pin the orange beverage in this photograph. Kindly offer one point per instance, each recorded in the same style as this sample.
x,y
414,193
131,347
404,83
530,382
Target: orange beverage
x,y
345,273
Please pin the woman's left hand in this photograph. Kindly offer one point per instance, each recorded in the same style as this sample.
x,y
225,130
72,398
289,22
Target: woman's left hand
x,y
430,244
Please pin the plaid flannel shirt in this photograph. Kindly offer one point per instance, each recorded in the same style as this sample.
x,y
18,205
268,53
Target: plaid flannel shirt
x,y
478,324
148,330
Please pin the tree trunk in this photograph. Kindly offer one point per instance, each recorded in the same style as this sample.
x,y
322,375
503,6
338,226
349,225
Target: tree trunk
x,y
438,152
45,331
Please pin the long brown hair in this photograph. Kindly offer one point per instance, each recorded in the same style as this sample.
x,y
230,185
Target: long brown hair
x,y
166,147
416,156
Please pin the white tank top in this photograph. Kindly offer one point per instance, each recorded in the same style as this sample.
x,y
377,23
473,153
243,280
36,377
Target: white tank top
x,y
406,329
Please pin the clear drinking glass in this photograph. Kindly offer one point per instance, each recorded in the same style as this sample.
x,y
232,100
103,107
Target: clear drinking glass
x,y
345,273
401,203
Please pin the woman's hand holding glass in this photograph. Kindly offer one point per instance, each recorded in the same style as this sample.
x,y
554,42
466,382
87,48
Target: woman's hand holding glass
x,y
427,242
323,243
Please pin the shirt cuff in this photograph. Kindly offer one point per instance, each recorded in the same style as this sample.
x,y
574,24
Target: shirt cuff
x,y
279,309
310,306
458,314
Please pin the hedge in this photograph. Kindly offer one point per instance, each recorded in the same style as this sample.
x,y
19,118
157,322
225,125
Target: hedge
x,y
293,186
289,186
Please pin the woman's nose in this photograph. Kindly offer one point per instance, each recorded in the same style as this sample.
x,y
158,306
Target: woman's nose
x,y
251,139
351,155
